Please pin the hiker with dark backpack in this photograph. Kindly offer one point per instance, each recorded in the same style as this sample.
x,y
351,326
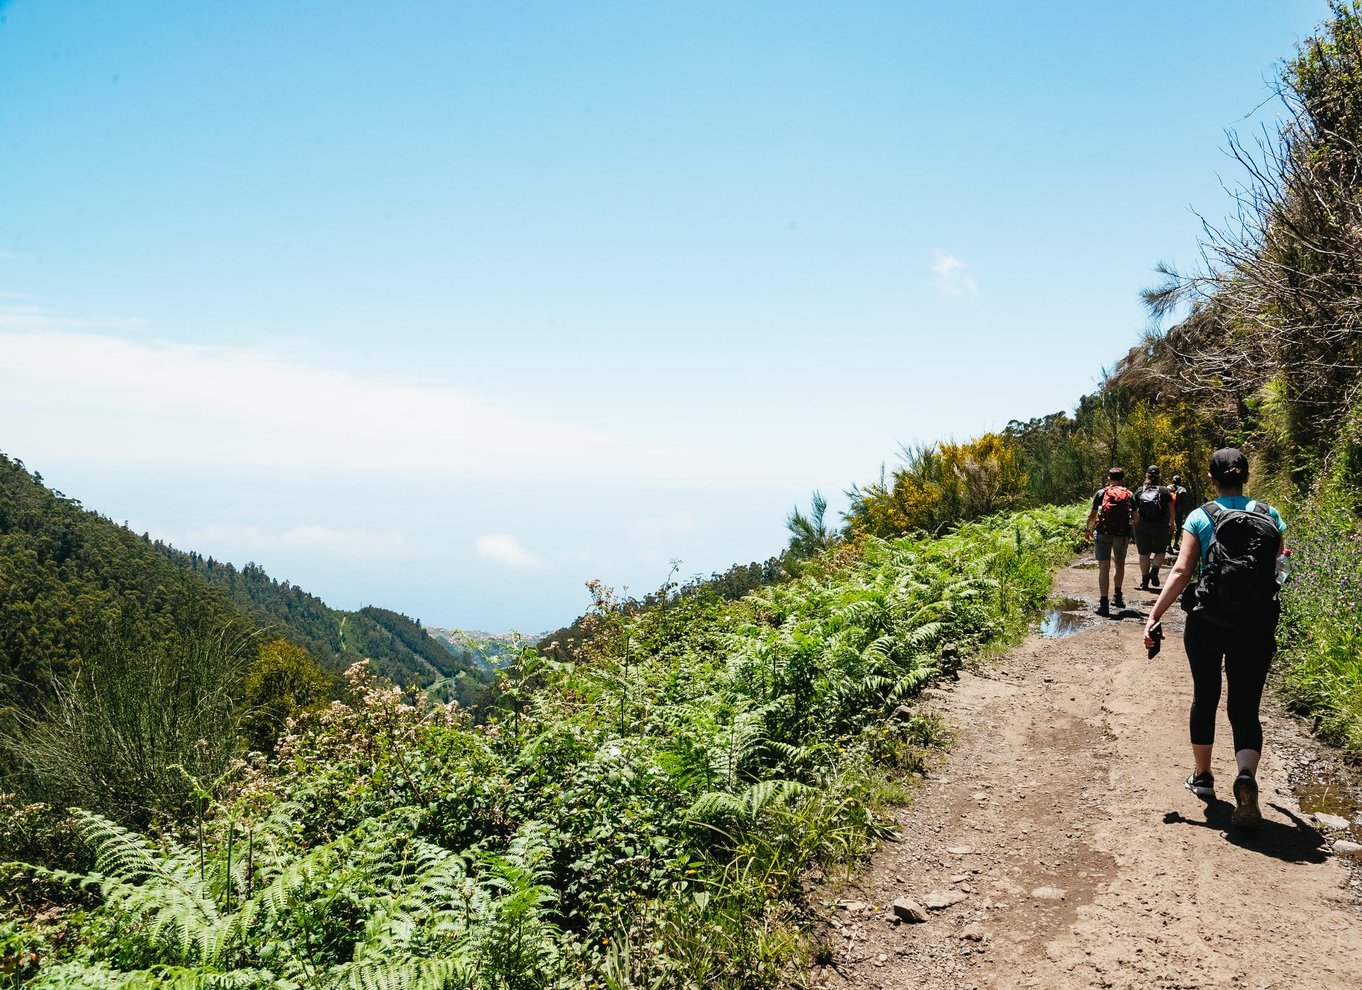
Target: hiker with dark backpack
x,y
1113,510
1153,526
1232,612
1182,507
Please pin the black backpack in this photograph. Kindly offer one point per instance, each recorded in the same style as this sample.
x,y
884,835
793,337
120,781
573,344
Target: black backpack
x,y
1238,585
1149,501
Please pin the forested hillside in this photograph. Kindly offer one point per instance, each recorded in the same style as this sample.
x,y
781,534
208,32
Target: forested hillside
x,y
68,574
398,647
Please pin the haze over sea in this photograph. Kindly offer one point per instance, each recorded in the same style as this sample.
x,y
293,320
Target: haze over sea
x,y
451,308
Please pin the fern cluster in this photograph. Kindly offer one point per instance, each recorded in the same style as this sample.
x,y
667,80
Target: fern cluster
x,y
378,908
645,815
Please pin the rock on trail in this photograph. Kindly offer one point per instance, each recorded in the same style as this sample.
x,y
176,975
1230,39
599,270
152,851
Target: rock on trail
x,y
1055,846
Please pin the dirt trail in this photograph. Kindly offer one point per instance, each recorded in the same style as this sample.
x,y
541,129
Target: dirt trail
x,y
1067,774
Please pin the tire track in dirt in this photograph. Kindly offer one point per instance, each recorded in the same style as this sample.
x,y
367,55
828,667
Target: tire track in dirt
x,y
1059,824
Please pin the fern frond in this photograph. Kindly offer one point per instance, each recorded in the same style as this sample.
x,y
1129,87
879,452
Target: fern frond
x,y
408,974
737,746
799,756
765,793
161,890
880,649
923,634
118,852
96,976
910,684
428,896
287,889
715,806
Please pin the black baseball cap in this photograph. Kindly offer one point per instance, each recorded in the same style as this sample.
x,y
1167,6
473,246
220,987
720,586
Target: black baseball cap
x,y
1153,471
1229,464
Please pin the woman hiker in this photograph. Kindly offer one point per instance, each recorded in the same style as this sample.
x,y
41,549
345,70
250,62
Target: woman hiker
x,y
1232,617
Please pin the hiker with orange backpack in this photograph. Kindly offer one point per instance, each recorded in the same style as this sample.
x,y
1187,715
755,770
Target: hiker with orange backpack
x,y
1109,525
1182,508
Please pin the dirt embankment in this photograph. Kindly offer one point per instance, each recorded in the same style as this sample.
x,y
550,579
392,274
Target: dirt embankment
x,y
1056,847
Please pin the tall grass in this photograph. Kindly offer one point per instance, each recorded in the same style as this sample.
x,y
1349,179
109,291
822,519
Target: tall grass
x,y
138,728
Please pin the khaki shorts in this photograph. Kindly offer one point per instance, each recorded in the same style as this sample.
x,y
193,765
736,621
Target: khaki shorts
x,y
1106,545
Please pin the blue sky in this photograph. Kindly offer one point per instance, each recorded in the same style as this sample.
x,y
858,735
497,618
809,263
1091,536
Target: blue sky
x,y
451,307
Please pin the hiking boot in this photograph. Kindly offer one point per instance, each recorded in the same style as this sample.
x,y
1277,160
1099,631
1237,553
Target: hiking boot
x,y
1118,601
1144,583
1103,608
1246,814
1154,579
1201,784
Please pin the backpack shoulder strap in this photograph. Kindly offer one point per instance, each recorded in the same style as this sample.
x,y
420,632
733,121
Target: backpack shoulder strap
x,y
1262,508
1213,509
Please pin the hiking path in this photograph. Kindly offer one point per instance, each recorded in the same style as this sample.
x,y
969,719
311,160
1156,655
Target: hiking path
x,y
1054,845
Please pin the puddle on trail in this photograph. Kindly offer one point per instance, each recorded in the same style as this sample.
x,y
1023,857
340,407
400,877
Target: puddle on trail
x,y
1063,617
1323,790
1328,796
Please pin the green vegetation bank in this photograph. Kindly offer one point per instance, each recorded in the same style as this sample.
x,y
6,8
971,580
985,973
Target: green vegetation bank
x,y
647,814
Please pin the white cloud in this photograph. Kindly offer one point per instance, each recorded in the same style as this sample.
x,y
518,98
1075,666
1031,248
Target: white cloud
x,y
344,544
95,392
355,544
952,275
503,548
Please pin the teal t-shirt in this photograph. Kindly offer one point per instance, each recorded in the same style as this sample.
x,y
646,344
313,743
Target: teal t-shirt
x,y
1199,523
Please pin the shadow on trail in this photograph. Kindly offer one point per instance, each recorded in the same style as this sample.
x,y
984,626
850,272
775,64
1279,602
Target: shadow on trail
x,y
1298,842
1130,612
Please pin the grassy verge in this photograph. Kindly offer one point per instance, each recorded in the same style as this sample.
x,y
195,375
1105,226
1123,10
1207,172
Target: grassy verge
x,y
646,815
1320,639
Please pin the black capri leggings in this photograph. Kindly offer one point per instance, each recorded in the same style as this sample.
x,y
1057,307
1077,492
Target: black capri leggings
x,y
1246,654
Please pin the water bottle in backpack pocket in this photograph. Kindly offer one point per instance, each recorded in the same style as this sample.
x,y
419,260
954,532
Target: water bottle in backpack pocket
x,y
1283,567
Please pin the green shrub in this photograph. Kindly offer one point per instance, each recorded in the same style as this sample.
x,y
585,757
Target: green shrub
x,y
137,728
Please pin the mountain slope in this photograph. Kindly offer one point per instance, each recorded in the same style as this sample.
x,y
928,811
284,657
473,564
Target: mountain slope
x,y
67,573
